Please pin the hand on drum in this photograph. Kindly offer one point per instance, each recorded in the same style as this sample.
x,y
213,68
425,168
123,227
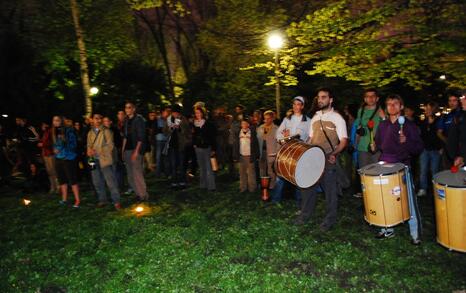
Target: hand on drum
x,y
286,132
459,162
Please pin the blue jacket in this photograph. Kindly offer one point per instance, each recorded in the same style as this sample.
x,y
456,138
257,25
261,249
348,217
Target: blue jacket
x,y
66,146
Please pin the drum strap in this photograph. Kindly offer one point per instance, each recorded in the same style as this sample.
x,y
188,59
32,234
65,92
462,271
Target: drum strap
x,y
326,136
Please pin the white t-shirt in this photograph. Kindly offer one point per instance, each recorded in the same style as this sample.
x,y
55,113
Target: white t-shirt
x,y
334,126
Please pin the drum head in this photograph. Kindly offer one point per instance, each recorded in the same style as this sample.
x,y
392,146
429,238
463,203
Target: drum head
x,y
378,169
451,179
310,167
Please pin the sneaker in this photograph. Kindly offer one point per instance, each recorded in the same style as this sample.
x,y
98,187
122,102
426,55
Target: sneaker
x,y
385,234
174,185
101,204
299,221
117,206
357,195
63,202
416,241
76,205
324,227
128,192
421,192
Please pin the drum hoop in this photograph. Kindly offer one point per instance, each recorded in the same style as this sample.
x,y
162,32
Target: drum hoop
x,y
450,186
385,174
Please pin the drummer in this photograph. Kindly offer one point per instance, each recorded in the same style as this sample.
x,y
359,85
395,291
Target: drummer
x,y
327,130
295,124
398,142
456,145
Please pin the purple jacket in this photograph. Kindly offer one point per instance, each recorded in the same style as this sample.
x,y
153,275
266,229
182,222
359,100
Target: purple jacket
x,y
387,140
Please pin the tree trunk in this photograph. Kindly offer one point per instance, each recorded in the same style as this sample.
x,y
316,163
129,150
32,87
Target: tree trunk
x,y
82,57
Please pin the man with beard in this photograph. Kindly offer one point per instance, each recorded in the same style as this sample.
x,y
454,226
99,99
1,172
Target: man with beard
x,y
328,131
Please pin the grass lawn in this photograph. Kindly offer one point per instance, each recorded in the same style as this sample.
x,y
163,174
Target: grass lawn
x,y
194,241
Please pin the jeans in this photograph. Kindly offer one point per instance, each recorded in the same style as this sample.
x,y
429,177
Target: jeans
x,y
100,176
278,189
247,175
328,184
414,222
429,160
135,174
160,159
207,178
178,170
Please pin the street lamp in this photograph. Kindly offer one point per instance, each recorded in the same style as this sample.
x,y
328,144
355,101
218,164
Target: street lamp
x,y
94,90
275,43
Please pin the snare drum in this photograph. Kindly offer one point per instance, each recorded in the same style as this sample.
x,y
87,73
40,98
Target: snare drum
x,y
385,194
450,209
299,163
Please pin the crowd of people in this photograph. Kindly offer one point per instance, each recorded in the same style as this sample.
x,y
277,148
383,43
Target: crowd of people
x,y
178,144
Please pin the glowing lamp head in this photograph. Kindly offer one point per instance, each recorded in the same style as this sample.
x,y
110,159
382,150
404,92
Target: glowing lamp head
x,y
94,90
26,202
275,41
401,120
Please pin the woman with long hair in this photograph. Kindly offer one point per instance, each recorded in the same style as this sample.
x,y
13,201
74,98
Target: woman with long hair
x,y
204,146
65,145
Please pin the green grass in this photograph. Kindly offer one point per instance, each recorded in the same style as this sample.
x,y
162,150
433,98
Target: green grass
x,y
193,241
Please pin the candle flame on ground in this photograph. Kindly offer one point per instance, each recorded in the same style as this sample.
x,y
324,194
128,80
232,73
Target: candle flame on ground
x,y
139,209
26,202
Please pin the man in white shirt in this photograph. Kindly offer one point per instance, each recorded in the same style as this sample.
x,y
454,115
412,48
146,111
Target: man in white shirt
x,y
296,124
327,130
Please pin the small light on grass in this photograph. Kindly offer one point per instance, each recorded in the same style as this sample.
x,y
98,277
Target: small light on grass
x,y
26,202
139,209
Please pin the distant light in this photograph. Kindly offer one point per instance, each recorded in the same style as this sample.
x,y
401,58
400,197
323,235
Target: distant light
x,y
94,90
443,77
275,41
5,115
438,114
26,202
139,209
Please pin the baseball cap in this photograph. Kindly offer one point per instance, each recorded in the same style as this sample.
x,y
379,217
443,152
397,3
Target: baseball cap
x,y
299,98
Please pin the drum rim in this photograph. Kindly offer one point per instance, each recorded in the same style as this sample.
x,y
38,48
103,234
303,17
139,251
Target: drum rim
x,y
361,170
447,185
323,171
385,174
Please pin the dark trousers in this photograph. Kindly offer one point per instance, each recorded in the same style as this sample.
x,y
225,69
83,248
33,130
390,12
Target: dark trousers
x,y
177,167
309,197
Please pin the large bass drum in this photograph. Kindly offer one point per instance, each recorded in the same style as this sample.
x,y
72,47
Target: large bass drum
x,y
299,163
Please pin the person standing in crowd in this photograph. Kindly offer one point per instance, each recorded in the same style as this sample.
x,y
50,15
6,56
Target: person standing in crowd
x,y
65,145
430,157
100,151
221,124
46,145
268,147
178,134
398,145
27,138
296,124
235,127
149,155
161,164
134,144
444,126
456,145
327,130
246,152
204,146
367,122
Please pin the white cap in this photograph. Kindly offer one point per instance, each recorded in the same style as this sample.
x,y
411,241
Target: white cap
x,y
299,98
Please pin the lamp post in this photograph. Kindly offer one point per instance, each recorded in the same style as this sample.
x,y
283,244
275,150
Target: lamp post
x,y
275,43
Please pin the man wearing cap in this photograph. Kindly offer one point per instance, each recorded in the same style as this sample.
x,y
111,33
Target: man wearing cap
x,y
328,131
296,124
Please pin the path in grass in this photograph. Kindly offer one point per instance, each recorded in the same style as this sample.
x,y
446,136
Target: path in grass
x,y
196,241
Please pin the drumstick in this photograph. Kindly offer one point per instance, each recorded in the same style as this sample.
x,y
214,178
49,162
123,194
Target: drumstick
x,y
401,121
